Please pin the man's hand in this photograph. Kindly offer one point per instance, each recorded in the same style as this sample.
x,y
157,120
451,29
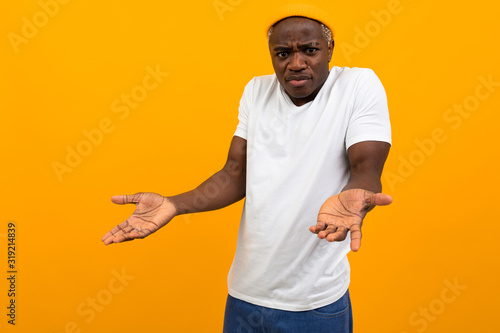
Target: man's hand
x,y
152,212
345,211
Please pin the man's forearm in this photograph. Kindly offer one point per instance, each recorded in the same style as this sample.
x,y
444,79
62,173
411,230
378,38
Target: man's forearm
x,y
367,182
220,190
366,160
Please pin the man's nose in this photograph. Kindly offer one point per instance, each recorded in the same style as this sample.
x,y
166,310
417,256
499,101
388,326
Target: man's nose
x,y
297,62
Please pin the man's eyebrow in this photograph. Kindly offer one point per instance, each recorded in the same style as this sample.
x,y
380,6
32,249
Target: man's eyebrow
x,y
282,48
306,45
300,46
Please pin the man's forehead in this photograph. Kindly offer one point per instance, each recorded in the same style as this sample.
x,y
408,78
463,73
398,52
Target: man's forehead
x,y
300,29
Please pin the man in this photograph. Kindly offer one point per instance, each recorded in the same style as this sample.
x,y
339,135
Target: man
x,y
309,148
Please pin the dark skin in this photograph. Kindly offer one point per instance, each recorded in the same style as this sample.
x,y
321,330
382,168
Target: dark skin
x,y
300,56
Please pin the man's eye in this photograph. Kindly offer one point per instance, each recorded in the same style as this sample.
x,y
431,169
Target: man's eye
x,y
282,54
311,50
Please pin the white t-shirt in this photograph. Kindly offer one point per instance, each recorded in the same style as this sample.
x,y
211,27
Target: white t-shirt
x,y
296,159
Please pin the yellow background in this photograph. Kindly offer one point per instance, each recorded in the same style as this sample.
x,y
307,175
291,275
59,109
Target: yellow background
x,y
441,229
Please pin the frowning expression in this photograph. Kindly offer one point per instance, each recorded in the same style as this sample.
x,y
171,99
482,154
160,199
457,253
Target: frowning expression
x,y
300,54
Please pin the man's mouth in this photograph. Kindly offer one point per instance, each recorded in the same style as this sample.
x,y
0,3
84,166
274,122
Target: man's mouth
x,y
298,81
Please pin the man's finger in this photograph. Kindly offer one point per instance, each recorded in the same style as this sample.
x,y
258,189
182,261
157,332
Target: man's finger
x,y
125,236
116,230
112,236
119,227
378,199
355,237
339,235
140,233
125,199
330,229
110,233
318,227
108,240
118,238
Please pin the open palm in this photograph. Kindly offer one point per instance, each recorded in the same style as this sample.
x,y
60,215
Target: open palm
x,y
345,212
152,212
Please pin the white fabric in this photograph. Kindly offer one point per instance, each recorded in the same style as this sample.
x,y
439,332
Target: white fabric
x,y
296,159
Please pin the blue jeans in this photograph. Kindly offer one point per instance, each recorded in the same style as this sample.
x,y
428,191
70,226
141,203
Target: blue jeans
x,y
243,317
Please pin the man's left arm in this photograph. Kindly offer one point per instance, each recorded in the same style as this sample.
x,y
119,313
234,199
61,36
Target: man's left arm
x,y
345,211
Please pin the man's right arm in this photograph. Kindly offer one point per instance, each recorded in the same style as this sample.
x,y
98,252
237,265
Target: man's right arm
x,y
154,211
220,190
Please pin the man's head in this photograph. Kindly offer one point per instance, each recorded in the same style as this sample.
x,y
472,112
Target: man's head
x,y
301,49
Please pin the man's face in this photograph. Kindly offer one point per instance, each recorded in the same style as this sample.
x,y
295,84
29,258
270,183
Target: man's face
x,y
300,55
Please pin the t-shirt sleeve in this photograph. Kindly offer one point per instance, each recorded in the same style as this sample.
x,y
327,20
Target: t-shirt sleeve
x,y
369,119
243,111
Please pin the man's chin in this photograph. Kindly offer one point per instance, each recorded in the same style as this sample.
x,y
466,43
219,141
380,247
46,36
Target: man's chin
x,y
298,92
299,95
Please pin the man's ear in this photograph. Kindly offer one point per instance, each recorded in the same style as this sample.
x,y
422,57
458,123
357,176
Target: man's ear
x,y
331,46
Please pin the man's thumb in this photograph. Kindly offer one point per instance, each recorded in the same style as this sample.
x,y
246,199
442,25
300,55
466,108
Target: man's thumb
x,y
381,199
125,199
